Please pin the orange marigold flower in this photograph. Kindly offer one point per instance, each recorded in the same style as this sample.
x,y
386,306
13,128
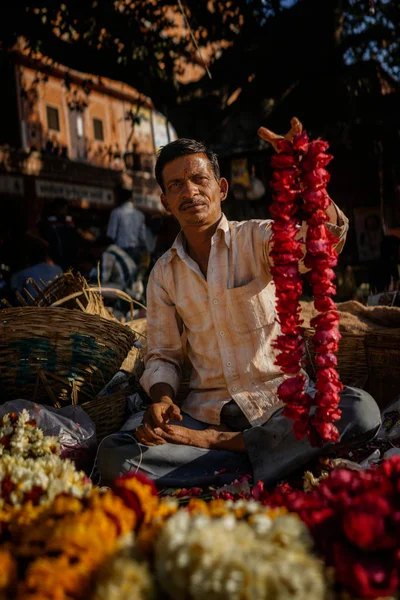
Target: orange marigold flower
x,y
54,579
149,532
197,506
217,508
139,493
8,571
116,509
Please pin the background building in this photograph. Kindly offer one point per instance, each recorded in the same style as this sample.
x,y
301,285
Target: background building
x,y
66,134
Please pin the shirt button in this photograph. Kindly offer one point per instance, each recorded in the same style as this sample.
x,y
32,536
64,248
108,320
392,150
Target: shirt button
x,y
234,389
222,333
215,301
229,364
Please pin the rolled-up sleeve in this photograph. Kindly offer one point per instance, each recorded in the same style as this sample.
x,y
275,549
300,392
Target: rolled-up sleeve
x,y
340,230
164,356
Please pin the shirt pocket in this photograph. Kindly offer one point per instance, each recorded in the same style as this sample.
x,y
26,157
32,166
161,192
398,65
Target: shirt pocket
x,y
251,306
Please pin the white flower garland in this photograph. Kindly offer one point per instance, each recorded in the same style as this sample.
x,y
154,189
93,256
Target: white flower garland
x,y
200,557
30,466
20,436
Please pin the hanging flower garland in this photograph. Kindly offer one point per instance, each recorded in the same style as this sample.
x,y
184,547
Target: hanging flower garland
x,y
299,184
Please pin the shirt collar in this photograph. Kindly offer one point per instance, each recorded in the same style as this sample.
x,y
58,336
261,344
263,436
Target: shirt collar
x,y
179,245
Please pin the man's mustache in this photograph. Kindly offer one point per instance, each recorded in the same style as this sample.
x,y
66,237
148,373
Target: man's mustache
x,y
192,202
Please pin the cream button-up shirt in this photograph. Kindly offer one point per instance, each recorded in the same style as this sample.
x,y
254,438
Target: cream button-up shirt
x,y
228,318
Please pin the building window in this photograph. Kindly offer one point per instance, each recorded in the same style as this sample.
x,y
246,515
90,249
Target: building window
x,y
79,126
53,119
98,130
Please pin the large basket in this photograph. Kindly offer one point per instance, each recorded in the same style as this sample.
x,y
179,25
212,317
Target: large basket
x,y
109,412
352,360
57,355
383,358
62,286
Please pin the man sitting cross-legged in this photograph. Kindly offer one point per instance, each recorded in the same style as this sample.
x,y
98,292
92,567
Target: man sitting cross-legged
x,y
215,284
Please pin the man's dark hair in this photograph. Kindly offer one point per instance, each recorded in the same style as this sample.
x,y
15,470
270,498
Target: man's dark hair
x,y
122,195
184,147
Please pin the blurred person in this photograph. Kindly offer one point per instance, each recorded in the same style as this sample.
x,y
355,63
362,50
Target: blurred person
x,y
58,229
127,226
42,269
117,269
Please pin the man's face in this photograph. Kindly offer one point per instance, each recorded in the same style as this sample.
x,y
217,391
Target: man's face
x,y
192,194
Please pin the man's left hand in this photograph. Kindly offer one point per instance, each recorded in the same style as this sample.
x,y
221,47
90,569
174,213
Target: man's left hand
x,y
217,437
184,436
273,138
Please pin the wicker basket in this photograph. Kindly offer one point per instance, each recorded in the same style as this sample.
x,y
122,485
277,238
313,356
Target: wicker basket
x,y
383,358
352,361
59,288
56,355
109,412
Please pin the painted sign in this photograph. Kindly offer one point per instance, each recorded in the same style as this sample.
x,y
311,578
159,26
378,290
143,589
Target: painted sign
x,y
70,191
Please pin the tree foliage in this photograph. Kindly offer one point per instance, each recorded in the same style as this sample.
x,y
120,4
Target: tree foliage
x,y
274,42
372,30
134,41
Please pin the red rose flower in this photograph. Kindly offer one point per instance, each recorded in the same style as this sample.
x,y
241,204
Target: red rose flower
x,y
282,161
366,525
315,177
300,142
366,576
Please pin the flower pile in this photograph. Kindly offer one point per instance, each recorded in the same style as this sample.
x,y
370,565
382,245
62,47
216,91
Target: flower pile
x,y
299,184
198,556
68,542
61,546
31,469
354,518
339,540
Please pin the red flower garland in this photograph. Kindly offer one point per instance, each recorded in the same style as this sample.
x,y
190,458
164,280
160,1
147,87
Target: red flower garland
x,y
299,181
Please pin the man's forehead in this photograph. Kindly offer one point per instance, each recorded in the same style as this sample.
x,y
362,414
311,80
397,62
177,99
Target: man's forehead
x,y
186,165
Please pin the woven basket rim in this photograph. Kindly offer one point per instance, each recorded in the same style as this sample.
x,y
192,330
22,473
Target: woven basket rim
x,y
56,351
70,314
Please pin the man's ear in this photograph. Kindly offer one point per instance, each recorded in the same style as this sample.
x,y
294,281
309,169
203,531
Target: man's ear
x,y
165,204
223,188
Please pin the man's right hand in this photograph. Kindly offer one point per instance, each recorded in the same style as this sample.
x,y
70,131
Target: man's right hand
x,y
158,415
